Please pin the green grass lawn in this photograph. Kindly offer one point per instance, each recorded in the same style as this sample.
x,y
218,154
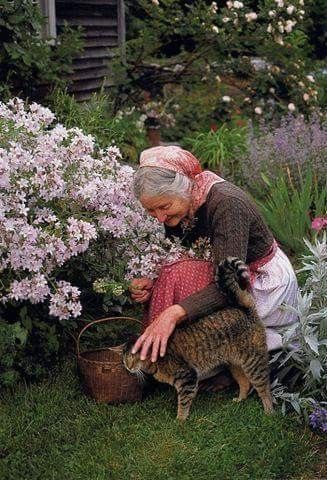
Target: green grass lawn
x,y
51,431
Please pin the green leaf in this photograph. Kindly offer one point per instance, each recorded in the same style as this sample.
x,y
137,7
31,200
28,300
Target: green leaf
x,y
19,333
315,368
312,342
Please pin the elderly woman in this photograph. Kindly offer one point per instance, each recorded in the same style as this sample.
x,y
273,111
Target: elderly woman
x,y
192,204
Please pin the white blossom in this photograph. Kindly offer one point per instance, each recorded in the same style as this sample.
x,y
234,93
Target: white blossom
x,y
272,13
238,5
289,25
258,110
218,78
215,29
251,16
226,19
291,107
290,9
306,97
310,78
214,7
226,99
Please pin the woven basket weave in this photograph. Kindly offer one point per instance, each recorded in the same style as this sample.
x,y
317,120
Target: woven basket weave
x,y
103,373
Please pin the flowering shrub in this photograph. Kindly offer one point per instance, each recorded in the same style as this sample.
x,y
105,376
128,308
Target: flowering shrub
x,y
155,115
292,148
257,56
58,194
305,345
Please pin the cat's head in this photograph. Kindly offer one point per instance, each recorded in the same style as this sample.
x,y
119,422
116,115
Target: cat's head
x,y
132,361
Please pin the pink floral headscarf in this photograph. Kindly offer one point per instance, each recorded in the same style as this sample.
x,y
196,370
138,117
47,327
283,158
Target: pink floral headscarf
x,y
178,160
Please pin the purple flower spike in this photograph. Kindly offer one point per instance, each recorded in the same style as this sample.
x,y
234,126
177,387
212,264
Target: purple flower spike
x,y
318,419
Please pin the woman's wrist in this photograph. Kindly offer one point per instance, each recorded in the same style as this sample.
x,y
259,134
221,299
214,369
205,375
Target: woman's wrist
x,y
179,313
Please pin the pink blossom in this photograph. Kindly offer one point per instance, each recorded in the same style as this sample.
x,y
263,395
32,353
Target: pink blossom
x,y
65,302
319,223
35,289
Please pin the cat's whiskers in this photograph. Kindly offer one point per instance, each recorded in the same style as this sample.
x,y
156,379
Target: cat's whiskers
x,y
140,375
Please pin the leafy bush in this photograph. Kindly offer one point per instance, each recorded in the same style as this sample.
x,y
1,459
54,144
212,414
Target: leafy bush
x,y
29,62
304,358
264,48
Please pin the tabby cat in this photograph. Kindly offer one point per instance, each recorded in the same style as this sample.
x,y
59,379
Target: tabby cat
x,y
233,337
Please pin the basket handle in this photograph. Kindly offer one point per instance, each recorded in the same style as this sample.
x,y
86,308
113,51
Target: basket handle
x,y
101,320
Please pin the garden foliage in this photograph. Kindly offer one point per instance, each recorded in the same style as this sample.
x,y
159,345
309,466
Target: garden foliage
x,y
58,193
100,118
70,224
30,62
67,216
258,57
285,170
304,357
220,150
291,148
288,209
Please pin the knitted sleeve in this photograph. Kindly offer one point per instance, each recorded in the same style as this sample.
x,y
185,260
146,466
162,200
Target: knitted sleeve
x,y
229,223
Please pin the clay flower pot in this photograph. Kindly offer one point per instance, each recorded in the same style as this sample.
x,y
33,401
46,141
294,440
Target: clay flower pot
x,y
154,135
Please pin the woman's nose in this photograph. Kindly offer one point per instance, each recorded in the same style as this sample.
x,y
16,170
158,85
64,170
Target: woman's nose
x,y
161,217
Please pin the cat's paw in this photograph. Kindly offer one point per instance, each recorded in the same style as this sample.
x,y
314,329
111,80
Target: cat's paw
x,y
238,399
181,418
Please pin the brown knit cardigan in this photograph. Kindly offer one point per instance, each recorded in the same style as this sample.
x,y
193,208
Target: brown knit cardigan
x,y
232,222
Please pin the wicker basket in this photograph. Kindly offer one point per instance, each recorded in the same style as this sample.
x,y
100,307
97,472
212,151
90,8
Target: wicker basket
x,y
104,375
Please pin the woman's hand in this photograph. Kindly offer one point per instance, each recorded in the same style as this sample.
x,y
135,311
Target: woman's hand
x,y
158,332
140,289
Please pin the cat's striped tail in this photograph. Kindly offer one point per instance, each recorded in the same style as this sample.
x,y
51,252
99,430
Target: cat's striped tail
x,y
234,279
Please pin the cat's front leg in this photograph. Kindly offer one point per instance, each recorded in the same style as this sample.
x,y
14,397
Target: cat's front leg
x,y
186,384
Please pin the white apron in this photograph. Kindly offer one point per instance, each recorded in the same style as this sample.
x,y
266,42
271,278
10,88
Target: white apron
x,y
275,284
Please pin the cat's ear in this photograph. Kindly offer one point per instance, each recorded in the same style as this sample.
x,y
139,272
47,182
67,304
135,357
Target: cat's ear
x,y
127,346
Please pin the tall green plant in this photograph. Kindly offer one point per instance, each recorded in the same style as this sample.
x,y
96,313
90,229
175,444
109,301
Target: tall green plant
x,y
219,150
288,209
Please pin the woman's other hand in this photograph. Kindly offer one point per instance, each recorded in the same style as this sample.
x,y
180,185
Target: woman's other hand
x,y
140,289
156,336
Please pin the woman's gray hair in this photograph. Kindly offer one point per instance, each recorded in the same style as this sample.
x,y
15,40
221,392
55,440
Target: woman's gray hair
x,y
155,181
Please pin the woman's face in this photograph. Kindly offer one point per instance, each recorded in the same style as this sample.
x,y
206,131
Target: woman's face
x,y
168,209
